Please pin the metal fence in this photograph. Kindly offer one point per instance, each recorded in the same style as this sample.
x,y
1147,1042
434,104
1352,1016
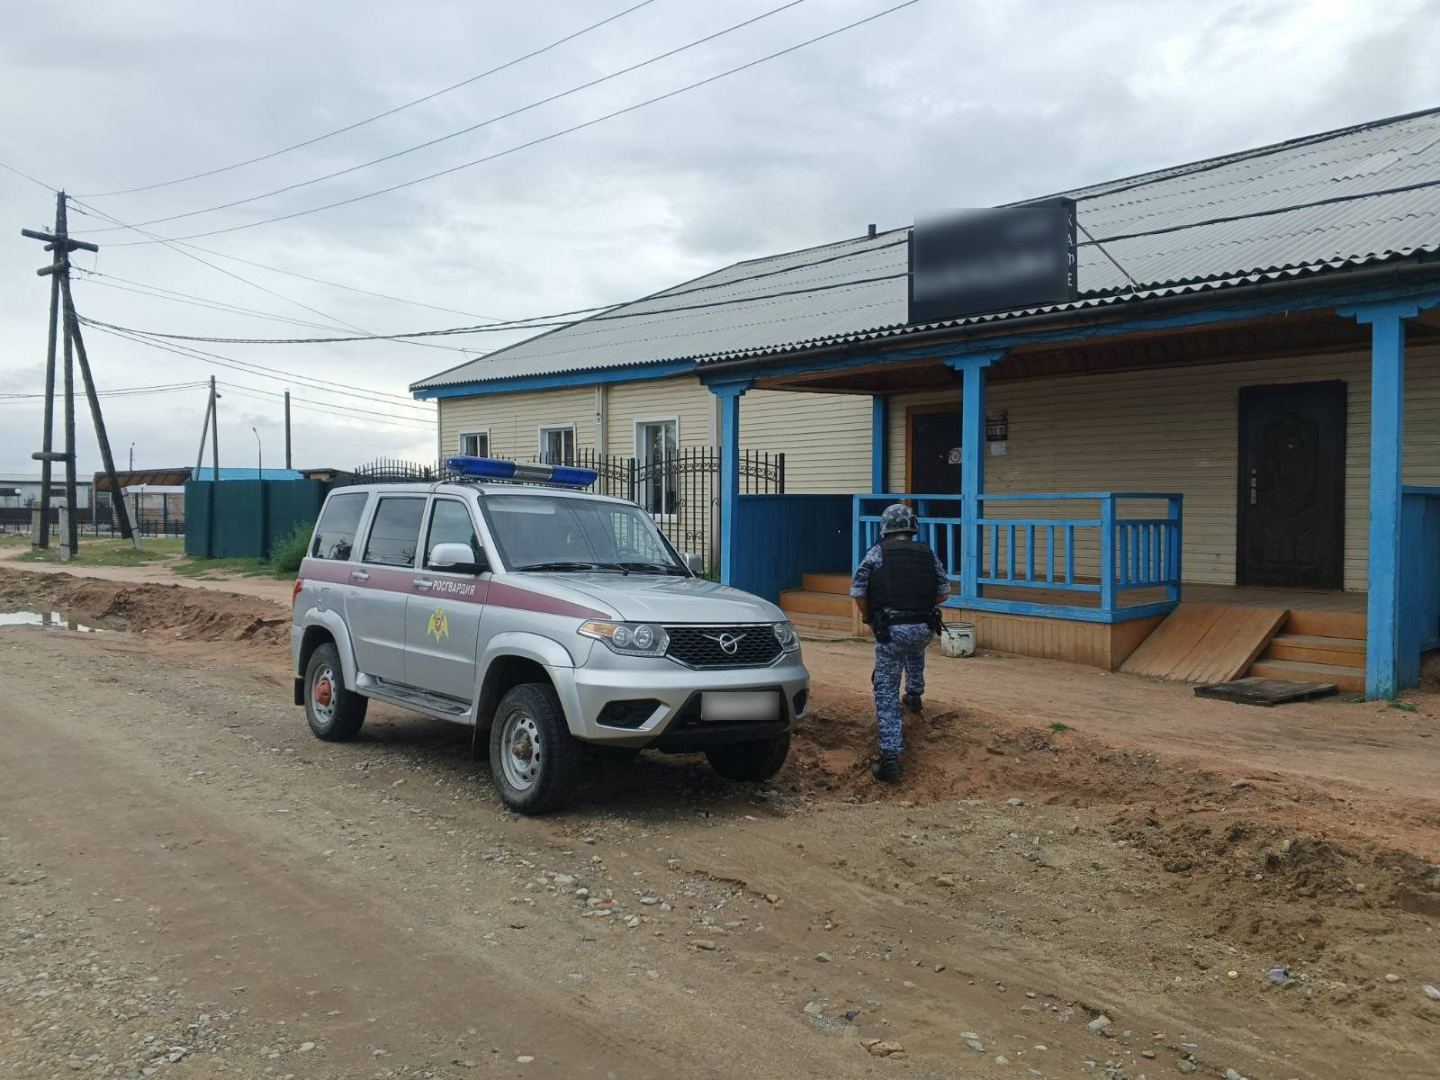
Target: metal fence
x,y
680,490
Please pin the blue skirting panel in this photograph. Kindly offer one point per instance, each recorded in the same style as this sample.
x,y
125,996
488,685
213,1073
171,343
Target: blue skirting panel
x,y
778,538
1419,572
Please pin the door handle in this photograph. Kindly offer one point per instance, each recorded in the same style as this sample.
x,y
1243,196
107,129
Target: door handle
x,y
1254,485
423,582
359,575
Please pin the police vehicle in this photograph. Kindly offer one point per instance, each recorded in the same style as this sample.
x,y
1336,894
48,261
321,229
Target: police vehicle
x,y
513,600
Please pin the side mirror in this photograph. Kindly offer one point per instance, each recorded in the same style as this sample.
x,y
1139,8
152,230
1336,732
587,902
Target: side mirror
x,y
695,563
458,559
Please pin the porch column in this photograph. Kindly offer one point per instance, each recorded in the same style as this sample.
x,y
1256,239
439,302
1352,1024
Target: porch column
x,y
1383,640
879,442
971,367
729,395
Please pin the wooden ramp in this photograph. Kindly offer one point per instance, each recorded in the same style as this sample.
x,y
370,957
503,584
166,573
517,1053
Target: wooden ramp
x,y
1206,643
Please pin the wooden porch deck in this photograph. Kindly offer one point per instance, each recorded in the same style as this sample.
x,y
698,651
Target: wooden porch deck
x,y
1294,634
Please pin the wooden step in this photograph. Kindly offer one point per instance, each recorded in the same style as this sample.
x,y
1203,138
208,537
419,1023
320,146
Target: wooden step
x,y
824,625
1298,671
826,583
815,603
1334,624
1313,649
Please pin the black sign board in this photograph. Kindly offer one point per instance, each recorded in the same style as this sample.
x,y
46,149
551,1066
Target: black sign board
x,y
976,261
9,493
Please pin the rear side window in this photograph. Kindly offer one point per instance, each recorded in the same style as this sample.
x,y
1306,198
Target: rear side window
x,y
395,533
335,534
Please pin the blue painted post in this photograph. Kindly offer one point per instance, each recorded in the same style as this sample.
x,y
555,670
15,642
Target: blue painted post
x,y
1107,553
1387,421
729,395
879,434
1174,547
972,460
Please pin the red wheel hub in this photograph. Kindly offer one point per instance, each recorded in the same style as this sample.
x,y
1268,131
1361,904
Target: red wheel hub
x,y
323,692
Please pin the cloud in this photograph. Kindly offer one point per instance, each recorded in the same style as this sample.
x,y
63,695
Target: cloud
x,y
943,104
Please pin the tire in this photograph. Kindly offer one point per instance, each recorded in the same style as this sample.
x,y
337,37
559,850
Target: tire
x,y
750,761
339,718
534,759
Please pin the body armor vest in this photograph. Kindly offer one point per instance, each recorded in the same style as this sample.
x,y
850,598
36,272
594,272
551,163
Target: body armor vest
x,y
905,581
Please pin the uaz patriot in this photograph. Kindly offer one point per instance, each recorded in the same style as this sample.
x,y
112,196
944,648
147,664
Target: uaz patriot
x,y
548,615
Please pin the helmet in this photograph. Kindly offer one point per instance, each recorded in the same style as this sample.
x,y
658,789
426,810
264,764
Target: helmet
x,y
897,518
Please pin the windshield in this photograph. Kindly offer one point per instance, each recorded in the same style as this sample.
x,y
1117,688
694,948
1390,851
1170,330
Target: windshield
x,y
550,533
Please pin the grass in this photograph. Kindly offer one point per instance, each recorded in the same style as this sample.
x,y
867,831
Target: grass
x,y
1057,727
1404,706
214,569
13,539
109,552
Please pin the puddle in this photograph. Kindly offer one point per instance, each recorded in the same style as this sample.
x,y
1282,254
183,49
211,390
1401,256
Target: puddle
x,y
53,620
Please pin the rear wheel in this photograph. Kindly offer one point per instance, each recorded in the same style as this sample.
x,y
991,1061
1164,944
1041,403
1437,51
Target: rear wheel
x,y
533,757
335,713
750,761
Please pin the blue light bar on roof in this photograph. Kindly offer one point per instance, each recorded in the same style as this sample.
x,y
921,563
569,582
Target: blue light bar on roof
x,y
481,468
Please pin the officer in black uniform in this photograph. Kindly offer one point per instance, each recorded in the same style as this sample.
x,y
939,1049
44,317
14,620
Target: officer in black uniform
x,y
898,587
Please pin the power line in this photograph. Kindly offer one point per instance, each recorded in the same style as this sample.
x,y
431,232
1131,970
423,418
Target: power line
x,y
125,391
27,176
378,116
155,292
85,208
325,405
756,298
467,130
537,141
289,378
336,284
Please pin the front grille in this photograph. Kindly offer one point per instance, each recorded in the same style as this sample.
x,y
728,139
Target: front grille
x,y
704,646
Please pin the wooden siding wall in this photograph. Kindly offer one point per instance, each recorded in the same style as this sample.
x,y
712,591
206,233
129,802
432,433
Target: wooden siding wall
x,y
825,437
1178,430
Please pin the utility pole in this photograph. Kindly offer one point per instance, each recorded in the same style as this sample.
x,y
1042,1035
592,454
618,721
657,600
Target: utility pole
x,y
287,430
214,432
61,245
107,459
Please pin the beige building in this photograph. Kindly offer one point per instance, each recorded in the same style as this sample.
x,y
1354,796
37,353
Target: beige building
x,y
1208,447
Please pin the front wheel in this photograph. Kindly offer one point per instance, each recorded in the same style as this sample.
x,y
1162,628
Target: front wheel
x,y
335,713
533,757
752,761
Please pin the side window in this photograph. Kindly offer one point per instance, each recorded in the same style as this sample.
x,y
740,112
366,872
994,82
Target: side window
x,y
335,533
450,523
395,533
475,444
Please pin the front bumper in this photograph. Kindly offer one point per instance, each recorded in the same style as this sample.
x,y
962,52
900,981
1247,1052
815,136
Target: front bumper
x,y
675,693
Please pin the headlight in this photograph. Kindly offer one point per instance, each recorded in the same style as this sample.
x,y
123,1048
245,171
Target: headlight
x,y
786,635
629,639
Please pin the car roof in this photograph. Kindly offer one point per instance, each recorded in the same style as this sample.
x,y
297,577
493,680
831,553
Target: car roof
x,y
425,487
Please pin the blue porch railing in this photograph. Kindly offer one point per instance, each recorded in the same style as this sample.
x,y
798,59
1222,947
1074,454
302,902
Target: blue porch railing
x,y
1040,543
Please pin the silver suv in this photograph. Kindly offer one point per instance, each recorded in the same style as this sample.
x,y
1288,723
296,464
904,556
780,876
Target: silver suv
x,y
552,617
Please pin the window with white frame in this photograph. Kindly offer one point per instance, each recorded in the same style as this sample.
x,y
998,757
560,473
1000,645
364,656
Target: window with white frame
x,y
557,445
475,443
657,443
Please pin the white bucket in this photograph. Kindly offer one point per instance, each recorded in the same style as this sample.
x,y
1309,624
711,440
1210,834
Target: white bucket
x,y
958,639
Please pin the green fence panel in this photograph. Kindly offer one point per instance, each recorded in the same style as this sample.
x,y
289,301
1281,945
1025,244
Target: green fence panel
x,y
242,519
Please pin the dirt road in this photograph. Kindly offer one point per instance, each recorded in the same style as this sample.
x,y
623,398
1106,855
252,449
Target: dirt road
x,y
193,885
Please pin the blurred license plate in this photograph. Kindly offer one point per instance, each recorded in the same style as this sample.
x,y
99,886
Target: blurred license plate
x,y
739,705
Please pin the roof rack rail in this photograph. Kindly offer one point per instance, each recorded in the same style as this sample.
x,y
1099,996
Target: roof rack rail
x,y
474,469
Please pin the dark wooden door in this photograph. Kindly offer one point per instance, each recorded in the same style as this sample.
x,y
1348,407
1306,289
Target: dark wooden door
x,y
934,452
1292,486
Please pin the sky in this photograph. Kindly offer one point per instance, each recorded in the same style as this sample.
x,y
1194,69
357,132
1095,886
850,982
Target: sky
x,y
940,104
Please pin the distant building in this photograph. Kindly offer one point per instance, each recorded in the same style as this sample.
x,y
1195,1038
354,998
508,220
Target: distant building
x,y
26,490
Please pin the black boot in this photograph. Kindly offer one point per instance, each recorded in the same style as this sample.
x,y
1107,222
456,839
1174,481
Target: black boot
x,y
887,769
912,702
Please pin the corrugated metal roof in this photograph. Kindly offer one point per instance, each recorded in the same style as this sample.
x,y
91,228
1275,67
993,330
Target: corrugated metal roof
x,y
1208,225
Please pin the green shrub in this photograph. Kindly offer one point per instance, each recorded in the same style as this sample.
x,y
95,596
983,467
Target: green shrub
x,y
290,549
